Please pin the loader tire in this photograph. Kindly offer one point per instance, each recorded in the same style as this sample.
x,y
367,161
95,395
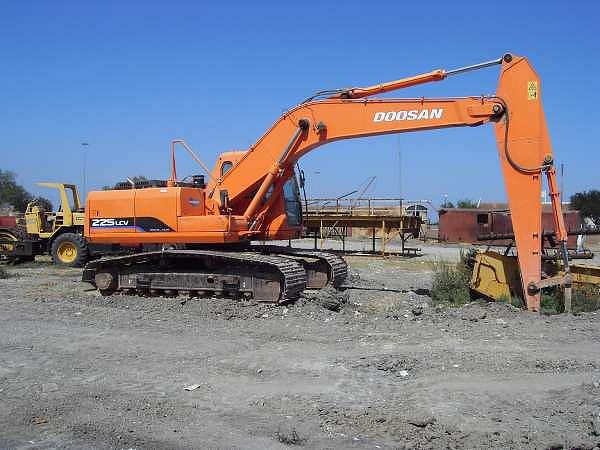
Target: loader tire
x,y
13,234
70,249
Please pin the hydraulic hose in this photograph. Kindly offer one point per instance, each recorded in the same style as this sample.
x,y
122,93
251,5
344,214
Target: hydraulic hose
x,y
512,162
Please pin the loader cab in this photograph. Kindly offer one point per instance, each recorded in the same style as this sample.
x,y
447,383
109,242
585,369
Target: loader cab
x,y
69,213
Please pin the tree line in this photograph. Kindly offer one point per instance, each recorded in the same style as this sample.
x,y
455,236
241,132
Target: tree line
x,y
15,196
463,203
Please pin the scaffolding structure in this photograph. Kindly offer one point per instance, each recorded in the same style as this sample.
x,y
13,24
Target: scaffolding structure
x,y
332,218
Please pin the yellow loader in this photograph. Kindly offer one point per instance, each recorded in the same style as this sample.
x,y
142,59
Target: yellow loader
x,y
58,233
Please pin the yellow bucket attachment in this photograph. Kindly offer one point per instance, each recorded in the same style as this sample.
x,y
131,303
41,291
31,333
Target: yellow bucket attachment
x,y
496,276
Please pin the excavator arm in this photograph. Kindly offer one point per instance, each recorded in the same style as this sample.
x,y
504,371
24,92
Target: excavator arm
x,y
515,110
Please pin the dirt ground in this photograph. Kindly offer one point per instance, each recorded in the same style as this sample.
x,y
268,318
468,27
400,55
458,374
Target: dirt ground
x,y
388,370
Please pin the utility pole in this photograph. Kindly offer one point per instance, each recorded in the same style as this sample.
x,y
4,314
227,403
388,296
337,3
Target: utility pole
x,y
562,183
84,146
400,174
315,184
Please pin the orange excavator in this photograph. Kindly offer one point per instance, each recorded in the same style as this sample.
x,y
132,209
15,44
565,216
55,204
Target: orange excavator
x,y
202,228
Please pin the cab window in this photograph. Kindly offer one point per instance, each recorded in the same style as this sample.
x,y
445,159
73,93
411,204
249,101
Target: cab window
x,y
226,167
293,205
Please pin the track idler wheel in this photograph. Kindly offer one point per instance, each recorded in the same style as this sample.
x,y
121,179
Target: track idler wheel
x,y
106,282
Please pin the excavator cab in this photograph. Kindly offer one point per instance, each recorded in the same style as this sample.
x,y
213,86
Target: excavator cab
x,y
292,201
225,163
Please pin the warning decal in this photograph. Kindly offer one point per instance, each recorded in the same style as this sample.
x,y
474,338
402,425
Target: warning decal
x,y
532,90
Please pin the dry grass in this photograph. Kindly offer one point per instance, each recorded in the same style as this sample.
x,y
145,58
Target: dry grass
x,y
289,437
584,299
450,282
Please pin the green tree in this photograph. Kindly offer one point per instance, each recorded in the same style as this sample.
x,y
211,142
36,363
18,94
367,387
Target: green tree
x,y
588,205
15,195
447,204
466,203
43,203
11,193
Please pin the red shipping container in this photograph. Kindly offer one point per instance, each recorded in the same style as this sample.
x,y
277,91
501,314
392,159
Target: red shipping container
x,y
458,225
8,221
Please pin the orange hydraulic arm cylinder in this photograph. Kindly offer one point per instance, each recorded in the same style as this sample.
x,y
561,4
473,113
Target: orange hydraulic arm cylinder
x,y
435,75
561,232
273,172
360,92
559,220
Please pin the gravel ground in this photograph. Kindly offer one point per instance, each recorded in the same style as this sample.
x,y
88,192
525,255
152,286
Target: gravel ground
x,y
388,370
428,251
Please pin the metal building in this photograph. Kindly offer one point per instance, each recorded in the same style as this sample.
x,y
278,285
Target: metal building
x,y
464,225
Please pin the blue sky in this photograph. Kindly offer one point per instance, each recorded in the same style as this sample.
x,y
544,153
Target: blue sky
x,y
128,76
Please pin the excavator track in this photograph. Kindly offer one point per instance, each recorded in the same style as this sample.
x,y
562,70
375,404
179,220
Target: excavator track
x,y
264,278
322,268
